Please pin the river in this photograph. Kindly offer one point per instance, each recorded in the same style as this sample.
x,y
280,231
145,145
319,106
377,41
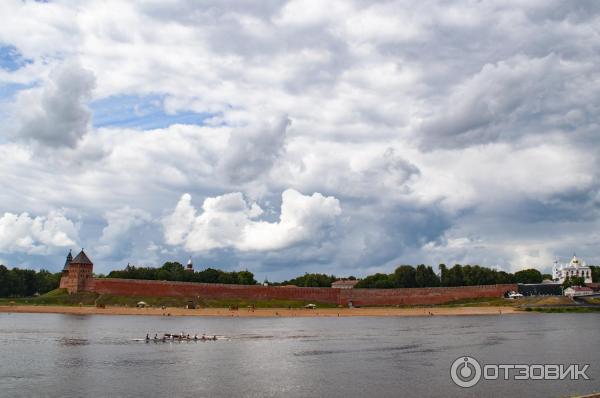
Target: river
x,y
95,356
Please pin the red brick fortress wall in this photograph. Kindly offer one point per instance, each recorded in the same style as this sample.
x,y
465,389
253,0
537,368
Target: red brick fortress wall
x,y
131,287
361,297
420,296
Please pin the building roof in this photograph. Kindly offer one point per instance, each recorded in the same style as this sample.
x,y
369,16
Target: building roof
x,y
68,261
344,282
81,258
575,262
582,289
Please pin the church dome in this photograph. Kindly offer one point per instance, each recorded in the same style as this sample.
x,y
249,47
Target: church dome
x,y
575,262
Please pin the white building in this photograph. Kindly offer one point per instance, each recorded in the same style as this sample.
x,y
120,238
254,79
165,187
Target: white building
x,y
577,291
575,267
344,284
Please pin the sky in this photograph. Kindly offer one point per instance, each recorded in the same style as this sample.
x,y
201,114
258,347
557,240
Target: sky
x,y
286,137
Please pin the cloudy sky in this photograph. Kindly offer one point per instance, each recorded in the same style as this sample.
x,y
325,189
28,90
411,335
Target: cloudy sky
x,y
288,136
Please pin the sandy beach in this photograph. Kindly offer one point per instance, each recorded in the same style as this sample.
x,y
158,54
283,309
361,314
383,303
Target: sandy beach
x,y
264,312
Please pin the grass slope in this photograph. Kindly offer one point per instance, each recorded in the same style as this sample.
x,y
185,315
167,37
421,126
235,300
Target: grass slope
x,y
61,297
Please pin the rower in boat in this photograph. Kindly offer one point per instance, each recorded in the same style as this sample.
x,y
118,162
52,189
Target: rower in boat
x,y
155,336
147,338
214,338
196,337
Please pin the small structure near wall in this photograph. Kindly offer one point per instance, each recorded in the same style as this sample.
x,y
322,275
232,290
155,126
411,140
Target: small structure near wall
x,y
344,284
578,291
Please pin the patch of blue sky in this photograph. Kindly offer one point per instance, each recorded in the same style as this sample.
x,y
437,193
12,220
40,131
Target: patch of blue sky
x,y
9,90
140,112
11,59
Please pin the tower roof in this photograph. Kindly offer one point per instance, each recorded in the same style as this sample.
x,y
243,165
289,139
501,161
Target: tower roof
x,y
68,260
81,258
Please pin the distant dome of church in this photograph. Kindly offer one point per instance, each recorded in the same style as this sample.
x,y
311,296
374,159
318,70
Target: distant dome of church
x,y
575,262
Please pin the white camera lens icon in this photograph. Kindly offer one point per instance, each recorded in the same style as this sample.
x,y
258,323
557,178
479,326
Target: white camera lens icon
x,y
465,372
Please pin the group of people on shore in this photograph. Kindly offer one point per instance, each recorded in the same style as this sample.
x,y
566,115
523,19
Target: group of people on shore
x,y
179,337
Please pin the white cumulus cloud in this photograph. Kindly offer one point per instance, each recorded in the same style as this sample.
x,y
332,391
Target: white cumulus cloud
x,y
36,235
229,221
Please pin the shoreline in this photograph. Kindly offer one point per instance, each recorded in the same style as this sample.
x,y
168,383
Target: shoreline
x,y
264,312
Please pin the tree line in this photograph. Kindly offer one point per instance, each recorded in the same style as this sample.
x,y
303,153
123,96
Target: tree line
x,y
311,280
459,275
174,271
26,282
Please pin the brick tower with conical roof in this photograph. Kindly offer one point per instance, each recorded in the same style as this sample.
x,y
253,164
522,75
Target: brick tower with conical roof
x,y
79,273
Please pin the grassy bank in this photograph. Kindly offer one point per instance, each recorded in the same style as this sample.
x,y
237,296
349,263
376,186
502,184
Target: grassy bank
x,y
561,309
480,302
504,302
591,300
61,297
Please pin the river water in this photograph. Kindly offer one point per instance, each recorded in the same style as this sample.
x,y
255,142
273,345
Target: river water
x,y
55,355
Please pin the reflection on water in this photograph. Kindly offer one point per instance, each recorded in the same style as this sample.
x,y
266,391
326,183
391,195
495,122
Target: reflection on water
x,y
67,341
73,356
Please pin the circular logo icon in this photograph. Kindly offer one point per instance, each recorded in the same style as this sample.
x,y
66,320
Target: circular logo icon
x,y
465,372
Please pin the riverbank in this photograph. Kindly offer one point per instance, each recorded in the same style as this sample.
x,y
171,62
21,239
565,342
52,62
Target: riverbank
x,y
264,312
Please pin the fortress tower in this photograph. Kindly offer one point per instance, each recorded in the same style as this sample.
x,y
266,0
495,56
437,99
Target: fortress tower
x,y
190,266
77,274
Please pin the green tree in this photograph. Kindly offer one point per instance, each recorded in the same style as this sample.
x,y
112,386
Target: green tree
x,y
573,281
454,276
443,274
404,276
4,289
425,277
528,276
16,283
595,273
245,278
378,280
46,281
311,280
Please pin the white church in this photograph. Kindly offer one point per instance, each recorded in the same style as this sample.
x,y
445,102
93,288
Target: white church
x,y
575,267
